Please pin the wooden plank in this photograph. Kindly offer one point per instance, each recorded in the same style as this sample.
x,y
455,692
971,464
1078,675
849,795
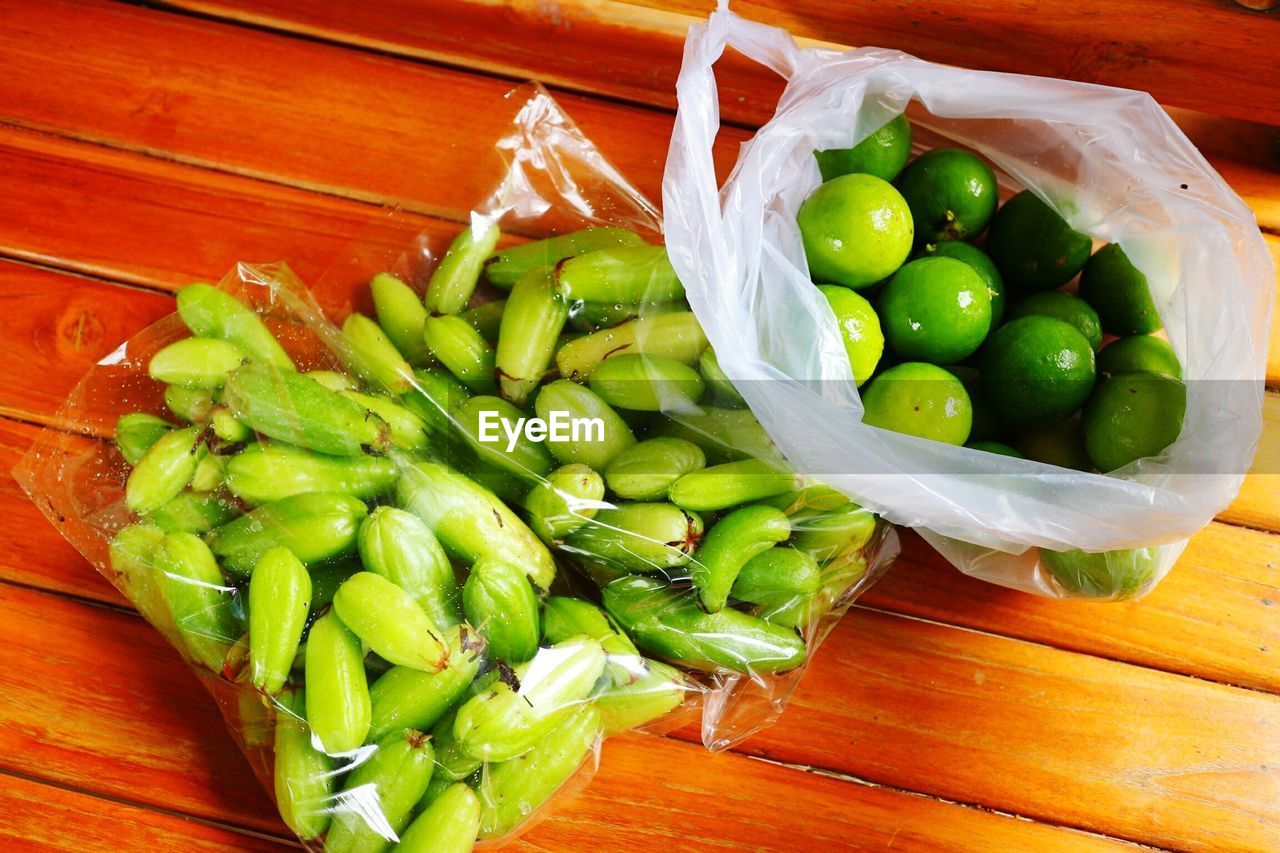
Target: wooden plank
x,y
632,51
1216,616
1257,504
375,128
36,816
150,734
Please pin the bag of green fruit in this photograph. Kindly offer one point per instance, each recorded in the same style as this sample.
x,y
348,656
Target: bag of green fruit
x,y
419,615
915,310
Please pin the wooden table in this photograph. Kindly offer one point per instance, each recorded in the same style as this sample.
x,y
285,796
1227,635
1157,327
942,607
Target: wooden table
x,y
143,147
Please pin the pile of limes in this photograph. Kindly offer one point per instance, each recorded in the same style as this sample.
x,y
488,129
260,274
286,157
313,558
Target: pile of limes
x,y
972,323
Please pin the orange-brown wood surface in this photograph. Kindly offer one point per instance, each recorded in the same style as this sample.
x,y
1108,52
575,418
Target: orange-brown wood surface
x,y
154,146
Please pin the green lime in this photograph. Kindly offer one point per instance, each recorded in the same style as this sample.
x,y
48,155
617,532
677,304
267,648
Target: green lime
x,y
919,399
1065,307
986,426
882,154
1037,370
951,193
936,310
1131,416
1140,352
1033,247
976,258
1110,574
1119,291
856,230
1060,444
994,447
859,327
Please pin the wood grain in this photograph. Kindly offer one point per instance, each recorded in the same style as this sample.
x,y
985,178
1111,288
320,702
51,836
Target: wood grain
x,y
145,731
37,816
632,51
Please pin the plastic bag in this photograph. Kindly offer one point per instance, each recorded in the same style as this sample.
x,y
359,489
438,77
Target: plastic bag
x,y
313,523
1108,160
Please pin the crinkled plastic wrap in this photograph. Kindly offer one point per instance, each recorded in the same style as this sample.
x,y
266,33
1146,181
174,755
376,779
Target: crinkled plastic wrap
x,y
418,633
1108,160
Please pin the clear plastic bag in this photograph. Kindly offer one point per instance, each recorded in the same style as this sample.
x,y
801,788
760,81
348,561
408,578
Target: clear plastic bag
x,y
1110,161
383,602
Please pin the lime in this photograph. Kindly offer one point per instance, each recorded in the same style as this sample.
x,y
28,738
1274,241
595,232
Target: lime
x,y
859,327
1119,291
1037,370
976,258
936,310
1109,574
994,447
1065,307
1140,352
882,154
1033,247
986,426
856,230
1060,444
919,399
951,193
1131,416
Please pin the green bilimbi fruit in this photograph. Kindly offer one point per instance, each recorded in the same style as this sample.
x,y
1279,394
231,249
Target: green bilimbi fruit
x,y
439,785
298,410
595,447
196,362
721,386
564,618
461,349
304,775
315,526
647,383
835,534
338,706
193,405
568,499
404,697
194,512
651,690
400,314
677,336
731,542
448,825
504,722
594,316
390,622
723,434
211,313
199,598
499,601
395,776
512,790
208,474
668,623
452,761
228,427
279,601
531,324
645,471
326,578
333,380
631,274
731,484
781,582
485,423
471,522
165,470
455,279
639,537
372,356
505,268
406,429
270,472
136,432
486,318
435,395
400,547
134,554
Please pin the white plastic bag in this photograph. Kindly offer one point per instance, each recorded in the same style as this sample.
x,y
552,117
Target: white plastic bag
x,y
1109,160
